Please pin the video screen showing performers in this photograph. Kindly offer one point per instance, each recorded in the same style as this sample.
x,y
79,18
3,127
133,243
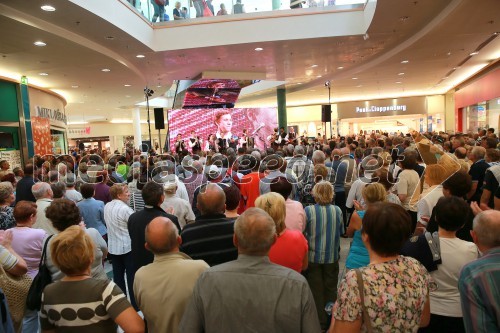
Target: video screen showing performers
x,y
218,129
210,93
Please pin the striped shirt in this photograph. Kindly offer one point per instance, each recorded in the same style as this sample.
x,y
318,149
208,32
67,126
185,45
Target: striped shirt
x,y
210,238
116,214
323,229
479,286
136,201
7,259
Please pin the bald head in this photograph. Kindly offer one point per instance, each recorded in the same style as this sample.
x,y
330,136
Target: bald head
x,y
162,236
41,190
461,152
254,232
486,228
211,200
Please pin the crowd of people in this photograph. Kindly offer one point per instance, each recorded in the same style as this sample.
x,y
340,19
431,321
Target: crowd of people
x,y
249,240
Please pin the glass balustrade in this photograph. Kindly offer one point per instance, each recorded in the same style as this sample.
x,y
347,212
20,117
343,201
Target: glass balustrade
x,y
155,12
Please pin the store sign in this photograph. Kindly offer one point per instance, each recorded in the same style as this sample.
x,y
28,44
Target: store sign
x,y
79,131
382,107
51,114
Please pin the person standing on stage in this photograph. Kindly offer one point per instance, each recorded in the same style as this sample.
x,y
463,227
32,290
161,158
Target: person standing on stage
x,y
179,144
195,143
292,136
243,141
283,137
211,144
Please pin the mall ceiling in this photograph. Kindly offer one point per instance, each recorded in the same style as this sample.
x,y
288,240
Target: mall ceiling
x,y
417,47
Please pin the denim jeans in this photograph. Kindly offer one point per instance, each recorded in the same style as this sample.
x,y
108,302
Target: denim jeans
x,y
31,323
159,11
123,264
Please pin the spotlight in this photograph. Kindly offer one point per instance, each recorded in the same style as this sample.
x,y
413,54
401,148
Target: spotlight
x,y
327,83
148,92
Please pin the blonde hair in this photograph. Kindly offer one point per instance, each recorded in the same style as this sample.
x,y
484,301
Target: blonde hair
x,y
322,192
436,173
273,204
373,193
116,190
72,250
320,172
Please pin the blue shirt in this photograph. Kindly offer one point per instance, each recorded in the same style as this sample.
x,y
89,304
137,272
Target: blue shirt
x,y
324,225
92,212
479,286
358,254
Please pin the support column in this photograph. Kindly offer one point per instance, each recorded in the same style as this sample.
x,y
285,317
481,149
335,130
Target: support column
x,y
276,4
136,117
281,96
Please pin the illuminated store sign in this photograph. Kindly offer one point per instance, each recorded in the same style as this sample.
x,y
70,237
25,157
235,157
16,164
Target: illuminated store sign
x,y
51,114
374,108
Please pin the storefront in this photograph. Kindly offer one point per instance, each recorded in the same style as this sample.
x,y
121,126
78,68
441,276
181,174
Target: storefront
x,y
10,134
49,124
477,104
394,116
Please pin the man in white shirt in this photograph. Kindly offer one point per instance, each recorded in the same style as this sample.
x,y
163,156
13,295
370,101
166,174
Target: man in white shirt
x,y
43,195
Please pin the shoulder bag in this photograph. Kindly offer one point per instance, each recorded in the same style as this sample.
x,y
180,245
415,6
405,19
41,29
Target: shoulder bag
x,y
15,289
361,289
41,280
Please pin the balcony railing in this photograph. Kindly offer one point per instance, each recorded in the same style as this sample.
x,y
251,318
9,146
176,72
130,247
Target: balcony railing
x,y
155,12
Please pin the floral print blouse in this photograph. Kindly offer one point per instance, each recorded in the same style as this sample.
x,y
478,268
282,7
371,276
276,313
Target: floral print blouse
x,y
7,220
395,293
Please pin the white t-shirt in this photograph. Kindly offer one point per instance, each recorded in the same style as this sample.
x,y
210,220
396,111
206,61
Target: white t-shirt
x,y
408,181
428,199
455,253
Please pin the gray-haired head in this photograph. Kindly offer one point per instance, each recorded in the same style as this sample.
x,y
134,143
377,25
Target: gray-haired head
x,y
255,232
41,190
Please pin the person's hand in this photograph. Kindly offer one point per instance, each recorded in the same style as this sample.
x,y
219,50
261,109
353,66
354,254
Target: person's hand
x,y
357,205
6,238
476,209
170,210
82,224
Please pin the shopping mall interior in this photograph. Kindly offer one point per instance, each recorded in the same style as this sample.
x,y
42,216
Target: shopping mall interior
x,y
92,72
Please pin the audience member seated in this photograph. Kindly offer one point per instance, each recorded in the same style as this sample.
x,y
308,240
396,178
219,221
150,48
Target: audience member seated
x,y
275,298
479,280
444,255
178,207
64,213
7,198
392,293
210,237
169,279
323,229
100,304
295,218
290,249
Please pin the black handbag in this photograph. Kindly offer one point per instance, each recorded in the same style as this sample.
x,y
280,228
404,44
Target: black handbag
x,y
41,280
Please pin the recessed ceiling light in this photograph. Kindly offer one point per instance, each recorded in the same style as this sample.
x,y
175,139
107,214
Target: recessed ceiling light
x,y
318,76
259,49
340,67
110,37
127,96
74,86
158,86
43,74
105,70
314,66
48,8
39,43
399,82
454,68
299,83
126,85
401,73
359,86
354,78
474,53
405,61
140,56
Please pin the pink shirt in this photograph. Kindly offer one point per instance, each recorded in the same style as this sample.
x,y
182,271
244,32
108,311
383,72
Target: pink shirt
x,y
28,244
295,215
289,250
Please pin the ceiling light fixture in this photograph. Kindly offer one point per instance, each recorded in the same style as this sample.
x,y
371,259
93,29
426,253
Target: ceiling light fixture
x,y
43,74
110,37
340,67
318,76
140,56
314,66
354,78
74,86
126,85
259,49
39,43
299,83
405,61
105,70
401,73
399,82
474,53
48,8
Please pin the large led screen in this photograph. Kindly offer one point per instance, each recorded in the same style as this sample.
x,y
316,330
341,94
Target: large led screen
x,y
210,93
259,123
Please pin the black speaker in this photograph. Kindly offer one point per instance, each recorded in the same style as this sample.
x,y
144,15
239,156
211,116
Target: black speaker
x,y
326,113
159,121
